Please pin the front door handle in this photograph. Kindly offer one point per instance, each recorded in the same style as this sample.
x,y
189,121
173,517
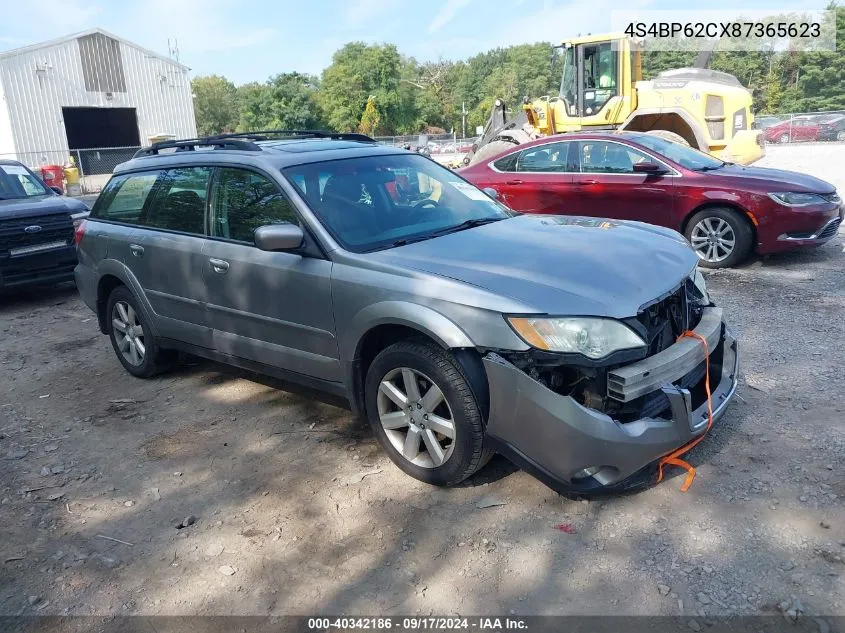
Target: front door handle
x,y
219,266
513,182
136,249
586,182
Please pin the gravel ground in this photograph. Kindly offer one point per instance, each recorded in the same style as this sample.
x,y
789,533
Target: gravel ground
x,y
209,491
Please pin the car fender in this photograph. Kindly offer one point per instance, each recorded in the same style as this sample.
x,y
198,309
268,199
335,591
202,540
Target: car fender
x,y
418,317
120,270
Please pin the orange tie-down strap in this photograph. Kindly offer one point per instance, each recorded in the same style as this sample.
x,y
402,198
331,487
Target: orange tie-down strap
x,y
673,458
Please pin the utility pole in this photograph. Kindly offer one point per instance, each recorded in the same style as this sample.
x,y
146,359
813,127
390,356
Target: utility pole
x,y
463,119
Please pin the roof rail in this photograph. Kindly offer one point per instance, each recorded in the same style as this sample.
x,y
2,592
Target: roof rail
x,y
266,135
190,145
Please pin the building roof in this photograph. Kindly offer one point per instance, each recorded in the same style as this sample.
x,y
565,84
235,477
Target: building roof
x,y
67,38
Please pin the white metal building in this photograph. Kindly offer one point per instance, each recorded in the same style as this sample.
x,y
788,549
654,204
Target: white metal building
x,y
89,90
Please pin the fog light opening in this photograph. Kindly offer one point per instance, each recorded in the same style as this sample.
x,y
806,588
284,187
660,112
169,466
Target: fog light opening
x,y
586,473
602,475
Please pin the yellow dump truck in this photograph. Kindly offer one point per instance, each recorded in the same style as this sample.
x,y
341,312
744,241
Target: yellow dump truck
x,y
602,89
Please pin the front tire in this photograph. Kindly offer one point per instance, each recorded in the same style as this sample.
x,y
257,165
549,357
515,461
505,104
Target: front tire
x,y
784,138
424,414
131,337
720,236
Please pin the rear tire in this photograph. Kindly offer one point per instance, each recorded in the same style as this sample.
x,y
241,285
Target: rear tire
x,y
669,136
720,236
491,149
131,336
417,396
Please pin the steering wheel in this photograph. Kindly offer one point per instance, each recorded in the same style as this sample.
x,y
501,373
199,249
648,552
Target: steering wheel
x,y
422,204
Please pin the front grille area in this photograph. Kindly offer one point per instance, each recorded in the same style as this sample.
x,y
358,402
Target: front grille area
x,y
13,233
831,229
667,319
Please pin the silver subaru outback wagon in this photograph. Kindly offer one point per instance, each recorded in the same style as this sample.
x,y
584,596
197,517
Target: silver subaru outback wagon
x,y
456,327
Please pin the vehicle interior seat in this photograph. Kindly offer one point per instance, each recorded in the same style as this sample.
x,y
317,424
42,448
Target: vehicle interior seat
x,y
182,211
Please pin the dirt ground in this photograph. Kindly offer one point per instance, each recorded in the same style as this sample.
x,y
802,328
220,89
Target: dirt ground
x,y
209,491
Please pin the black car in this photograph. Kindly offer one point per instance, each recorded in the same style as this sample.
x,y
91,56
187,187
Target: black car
x,y
36,229
832,128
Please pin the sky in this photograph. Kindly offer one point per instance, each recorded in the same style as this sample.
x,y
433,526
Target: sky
x,y
250,40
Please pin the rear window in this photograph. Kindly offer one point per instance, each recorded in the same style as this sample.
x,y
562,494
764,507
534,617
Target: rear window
x,y
124,197
173,199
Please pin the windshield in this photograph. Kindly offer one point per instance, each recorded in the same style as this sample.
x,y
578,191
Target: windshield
x,y
681,154
383,201
16,181
567,82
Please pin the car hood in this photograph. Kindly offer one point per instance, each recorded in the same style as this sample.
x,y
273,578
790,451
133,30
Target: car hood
x,y
558,264
776,179
38,206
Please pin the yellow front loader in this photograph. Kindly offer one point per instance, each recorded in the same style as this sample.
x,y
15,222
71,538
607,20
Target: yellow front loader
x,y
602,89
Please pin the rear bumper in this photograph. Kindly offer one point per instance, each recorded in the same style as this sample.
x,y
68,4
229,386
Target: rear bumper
x,y
554,437
48,267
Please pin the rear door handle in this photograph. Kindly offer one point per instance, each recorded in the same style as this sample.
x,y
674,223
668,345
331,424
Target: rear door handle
x,y
136,249
586,182
219,266
513,182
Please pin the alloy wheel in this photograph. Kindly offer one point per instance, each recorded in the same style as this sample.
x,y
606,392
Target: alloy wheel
x,y
713,239
128,333
416,417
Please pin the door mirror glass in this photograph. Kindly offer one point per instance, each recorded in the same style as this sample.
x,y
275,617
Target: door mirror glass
x,y
57,191
649,168
491,192
279,237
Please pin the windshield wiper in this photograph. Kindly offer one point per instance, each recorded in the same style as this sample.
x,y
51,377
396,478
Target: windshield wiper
x,y
468,224
710,167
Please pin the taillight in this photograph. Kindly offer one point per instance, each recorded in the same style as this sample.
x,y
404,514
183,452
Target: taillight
x,y
79,232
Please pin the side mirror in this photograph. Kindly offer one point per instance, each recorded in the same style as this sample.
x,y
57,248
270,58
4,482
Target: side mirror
x,y
652,169
491,192
57,191
278,237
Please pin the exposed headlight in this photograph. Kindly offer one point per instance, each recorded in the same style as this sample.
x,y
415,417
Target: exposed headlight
x,y
700,285
593,337
796,198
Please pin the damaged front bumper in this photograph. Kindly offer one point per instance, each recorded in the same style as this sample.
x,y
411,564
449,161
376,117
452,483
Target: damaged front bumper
x,y
574,448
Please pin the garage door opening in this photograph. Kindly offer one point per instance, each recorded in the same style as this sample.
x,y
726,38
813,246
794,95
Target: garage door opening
x,y
101,137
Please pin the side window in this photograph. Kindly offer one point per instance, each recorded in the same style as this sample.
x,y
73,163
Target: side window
x,y
125,198
180,202
507,163
243,201
549,157
601,64
603,157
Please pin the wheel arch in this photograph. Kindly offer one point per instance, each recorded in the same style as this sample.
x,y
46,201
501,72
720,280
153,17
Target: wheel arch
x,y
105,286
674,120
111,274
403,321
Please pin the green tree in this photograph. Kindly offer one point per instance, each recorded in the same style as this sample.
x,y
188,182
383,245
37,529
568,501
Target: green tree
x,y
286,101
371,118
215,104
358,71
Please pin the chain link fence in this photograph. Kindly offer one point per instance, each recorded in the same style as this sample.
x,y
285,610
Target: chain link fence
x,y
442,147
95,164
803,127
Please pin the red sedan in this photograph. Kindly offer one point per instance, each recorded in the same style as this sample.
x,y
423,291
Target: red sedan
x,y
726,211
796,129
